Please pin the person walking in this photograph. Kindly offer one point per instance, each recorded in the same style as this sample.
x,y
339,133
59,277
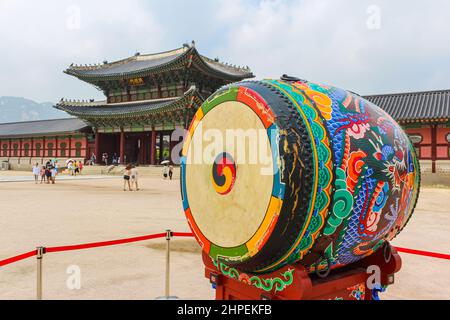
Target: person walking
x,y
80,166
48,172
70,167
170,171
105,158
165,171
42,173
134,177
36,172
126,178
56,167
76,168
53,172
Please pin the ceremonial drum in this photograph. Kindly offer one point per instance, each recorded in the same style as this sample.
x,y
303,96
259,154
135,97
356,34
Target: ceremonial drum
x,y
278,172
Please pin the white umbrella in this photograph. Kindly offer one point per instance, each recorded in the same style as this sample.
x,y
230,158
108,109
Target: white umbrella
x,y
69,160
165,162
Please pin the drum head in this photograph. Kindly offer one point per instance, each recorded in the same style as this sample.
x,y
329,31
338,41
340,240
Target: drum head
x,y
228,177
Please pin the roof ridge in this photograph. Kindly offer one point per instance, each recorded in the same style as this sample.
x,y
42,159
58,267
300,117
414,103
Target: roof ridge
x,y
408,93
67,102
45,120
134,57
225,64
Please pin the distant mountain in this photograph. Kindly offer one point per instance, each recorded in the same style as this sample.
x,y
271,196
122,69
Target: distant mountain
x,y
15,109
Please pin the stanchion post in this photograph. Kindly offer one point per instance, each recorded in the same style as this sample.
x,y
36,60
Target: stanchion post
x,y
169,235
39,257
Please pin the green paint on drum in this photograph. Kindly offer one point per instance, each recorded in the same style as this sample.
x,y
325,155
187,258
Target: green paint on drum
x,y
229,94
216,251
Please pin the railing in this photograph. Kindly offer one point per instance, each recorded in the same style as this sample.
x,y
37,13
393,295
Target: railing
x,y
40,252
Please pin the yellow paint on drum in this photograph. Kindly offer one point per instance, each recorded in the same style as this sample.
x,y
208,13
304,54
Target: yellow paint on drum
x,y
272,213
233,219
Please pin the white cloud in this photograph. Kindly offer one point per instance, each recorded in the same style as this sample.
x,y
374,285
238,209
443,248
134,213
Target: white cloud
x,y
328,41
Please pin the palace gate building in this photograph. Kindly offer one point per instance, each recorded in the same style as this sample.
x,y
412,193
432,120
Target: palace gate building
x,y
147,97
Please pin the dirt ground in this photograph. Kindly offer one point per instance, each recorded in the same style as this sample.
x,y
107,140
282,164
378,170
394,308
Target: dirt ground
x,y
80,211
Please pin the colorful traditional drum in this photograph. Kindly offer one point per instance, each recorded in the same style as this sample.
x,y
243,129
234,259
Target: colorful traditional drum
x,y
287,171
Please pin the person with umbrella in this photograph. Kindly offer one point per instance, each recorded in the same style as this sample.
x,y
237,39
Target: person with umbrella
x,y
165,168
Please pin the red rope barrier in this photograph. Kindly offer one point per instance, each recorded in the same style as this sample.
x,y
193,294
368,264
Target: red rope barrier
x,y
163,235
88,246
18,258
103,243
183,234
424,253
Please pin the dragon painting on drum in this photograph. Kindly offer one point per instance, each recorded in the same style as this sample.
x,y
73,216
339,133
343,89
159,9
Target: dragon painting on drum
x,y
345,178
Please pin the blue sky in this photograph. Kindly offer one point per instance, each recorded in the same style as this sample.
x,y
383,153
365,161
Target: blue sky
x,y
364,46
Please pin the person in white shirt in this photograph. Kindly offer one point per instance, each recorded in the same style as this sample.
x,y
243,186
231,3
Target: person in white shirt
x,y
54,172
134,177
36,172
165,172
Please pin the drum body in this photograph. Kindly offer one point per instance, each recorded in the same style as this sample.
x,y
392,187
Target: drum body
x,y
279,172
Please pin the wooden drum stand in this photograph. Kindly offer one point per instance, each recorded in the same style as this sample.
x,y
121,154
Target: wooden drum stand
x,y
294,283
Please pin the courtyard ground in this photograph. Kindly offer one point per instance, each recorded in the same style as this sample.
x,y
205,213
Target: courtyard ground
x,y
96,209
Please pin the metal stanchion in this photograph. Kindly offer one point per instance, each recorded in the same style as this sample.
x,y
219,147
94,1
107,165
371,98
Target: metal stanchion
x,y
169,235
39,257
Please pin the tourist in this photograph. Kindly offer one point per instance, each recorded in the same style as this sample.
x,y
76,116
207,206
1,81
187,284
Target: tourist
x,y
36,172
165,171
42,172
134,177
170,171
56,166
105,158
80,166
126,178
70,167
76,168
115,159
53,172
93,159
48,172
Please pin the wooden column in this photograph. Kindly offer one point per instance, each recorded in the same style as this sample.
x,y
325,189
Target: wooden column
x,y
433,147
153,147
20,149
56,147
70,148
97,147
122,146
161,146
143,148
44,147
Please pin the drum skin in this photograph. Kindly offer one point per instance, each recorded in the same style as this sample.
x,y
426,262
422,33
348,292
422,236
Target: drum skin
x,y
340,177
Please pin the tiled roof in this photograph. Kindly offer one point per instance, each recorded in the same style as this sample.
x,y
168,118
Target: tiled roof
x,y
101,109
412,106
41,128
140,65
